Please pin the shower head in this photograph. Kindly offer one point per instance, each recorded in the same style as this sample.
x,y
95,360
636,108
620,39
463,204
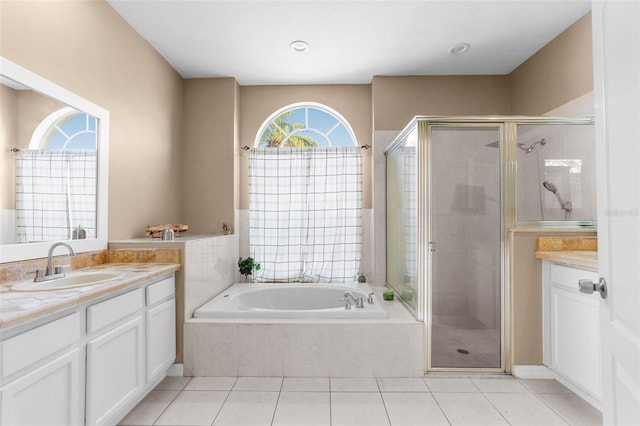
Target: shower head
x,y
550,186
528,149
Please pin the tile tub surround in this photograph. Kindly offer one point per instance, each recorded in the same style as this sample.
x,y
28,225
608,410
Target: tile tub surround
x,y
209,266
390,347
277,401
18,307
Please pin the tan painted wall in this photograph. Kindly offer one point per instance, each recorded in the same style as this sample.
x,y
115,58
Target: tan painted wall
x,y
558,73
257,103
209,154
396,100
87,48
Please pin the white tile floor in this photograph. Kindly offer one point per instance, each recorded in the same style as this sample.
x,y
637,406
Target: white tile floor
x,y
296,401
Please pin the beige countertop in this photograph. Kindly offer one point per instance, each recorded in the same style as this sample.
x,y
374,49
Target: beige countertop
x,y
18,306
582,258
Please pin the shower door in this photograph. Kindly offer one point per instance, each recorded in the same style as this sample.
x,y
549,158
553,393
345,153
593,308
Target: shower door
x,y
464,242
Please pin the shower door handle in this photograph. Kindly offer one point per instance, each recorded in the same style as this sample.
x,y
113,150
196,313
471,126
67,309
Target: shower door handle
x,y
432,246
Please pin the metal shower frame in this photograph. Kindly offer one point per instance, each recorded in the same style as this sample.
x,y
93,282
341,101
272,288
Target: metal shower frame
x,y
508,129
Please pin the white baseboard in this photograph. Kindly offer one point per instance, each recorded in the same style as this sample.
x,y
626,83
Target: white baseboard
x,y
533,372
176,370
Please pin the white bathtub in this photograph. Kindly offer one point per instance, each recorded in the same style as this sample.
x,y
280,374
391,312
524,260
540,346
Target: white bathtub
x,y
295,300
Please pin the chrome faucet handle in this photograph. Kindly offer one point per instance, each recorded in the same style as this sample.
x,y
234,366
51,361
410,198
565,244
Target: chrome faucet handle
x,y
360,302
347,304
370,298
60,269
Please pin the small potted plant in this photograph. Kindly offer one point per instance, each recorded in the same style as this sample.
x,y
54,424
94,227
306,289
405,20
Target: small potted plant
x,y
247,266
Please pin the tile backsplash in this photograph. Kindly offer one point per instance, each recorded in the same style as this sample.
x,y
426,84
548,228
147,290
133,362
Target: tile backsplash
x,y
566,243
26,269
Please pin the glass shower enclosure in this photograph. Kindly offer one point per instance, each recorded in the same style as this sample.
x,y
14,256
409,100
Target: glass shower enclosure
x,y
453,193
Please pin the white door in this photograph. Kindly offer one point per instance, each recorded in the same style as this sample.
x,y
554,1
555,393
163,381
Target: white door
x,y
616,49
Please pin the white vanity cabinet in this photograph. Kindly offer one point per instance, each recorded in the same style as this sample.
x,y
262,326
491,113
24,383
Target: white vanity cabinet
x,y
43,375
160,318
571,329
92,365
115,355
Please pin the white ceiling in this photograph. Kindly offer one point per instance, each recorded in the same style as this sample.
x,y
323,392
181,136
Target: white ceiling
x,y
350,41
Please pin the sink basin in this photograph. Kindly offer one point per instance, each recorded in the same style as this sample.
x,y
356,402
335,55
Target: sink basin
x,y
73,279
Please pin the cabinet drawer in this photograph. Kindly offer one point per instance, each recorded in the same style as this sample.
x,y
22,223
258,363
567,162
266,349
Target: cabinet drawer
x,y
569,276
160,290
112,310
29,347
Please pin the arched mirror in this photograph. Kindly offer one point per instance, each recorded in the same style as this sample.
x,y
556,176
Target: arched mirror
x,y
54,174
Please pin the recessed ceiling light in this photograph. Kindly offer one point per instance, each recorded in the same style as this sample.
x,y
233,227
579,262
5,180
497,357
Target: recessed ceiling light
x,y
459,49
299,46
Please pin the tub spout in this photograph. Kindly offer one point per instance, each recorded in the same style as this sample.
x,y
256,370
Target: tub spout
x,y
359,301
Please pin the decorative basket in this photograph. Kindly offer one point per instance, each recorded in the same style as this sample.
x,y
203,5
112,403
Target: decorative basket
x,y
155,231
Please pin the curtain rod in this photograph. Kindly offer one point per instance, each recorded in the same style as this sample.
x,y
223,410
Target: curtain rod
x,y
247,148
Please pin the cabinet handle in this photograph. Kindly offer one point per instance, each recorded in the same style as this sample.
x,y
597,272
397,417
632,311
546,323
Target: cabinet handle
x,y
588,287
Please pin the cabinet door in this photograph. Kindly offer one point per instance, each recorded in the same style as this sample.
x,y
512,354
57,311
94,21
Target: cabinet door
x,y
49,395
115,371
575,338
161,338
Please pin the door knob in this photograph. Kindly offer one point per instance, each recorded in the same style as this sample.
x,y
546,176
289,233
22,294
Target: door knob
x,y
588,287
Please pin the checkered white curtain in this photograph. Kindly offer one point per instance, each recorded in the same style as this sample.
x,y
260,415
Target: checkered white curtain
x,y
410,195
55,192
305,207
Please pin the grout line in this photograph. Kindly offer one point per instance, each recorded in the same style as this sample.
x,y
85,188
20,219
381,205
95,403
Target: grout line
x,y
221,406
330,405
165,408
433,395
496,408
383,403
170,402
275,409
548,405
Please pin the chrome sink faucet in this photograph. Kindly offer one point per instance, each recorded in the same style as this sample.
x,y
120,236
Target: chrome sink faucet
x,y
51,272
359,301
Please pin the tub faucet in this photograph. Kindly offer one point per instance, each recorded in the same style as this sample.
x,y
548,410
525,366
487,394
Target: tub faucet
x,y
52,273
359,301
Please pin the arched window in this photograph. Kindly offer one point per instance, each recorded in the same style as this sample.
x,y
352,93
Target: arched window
x,y
305,197
305,124
66,129
64,149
